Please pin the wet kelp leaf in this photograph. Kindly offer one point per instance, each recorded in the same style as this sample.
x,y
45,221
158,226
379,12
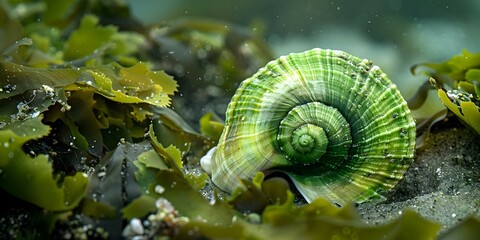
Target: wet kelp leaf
x,y
141,77
96,210
89,45
171,129
211,126
288,212
189,202
179,138
168,184
453,71
468,229
87,38
57,12
29,104
257,194
136,84
15,135
139,207
310,225
175,131
466,111
197,182
126,85
10,29
88,114
113,183
172,184
171,154
32,179
87,135
319,218
148,163
17,47
123,183
457,83
17,79
151,159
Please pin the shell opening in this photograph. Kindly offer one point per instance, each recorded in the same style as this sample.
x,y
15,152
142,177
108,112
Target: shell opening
x,y
206,161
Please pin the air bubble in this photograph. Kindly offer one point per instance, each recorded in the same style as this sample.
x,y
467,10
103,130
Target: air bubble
x,y
159,189
101,175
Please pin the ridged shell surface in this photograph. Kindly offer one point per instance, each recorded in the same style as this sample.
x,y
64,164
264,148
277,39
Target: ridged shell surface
x,y
334,123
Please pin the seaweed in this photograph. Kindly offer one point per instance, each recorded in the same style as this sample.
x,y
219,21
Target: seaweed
x,y
80,44
457,82
468,229
31,179
209,58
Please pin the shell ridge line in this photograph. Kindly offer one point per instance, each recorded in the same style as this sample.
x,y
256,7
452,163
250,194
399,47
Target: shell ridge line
x,y
380,173
293,72
371,109
233,102
367,107
299,61
315,68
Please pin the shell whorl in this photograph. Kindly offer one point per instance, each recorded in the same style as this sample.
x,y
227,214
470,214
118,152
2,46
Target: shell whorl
x,y
334,123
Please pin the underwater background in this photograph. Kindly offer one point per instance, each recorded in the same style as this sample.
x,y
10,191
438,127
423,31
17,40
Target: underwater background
x,y
394,34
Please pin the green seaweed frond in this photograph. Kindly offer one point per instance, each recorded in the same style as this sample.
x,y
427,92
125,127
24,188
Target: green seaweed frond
x,y
457,81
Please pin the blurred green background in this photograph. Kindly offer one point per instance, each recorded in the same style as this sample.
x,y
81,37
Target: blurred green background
x,y
395,34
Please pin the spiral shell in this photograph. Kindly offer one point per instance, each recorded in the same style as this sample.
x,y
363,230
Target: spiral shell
x,y
334,123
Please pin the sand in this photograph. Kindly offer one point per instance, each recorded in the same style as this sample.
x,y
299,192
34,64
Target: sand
x,y
442,184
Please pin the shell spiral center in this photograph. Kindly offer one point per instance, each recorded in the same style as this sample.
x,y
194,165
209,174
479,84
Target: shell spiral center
x,y
308,131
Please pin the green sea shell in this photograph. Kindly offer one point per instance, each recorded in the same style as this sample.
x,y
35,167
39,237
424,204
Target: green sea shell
x,y
334,123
